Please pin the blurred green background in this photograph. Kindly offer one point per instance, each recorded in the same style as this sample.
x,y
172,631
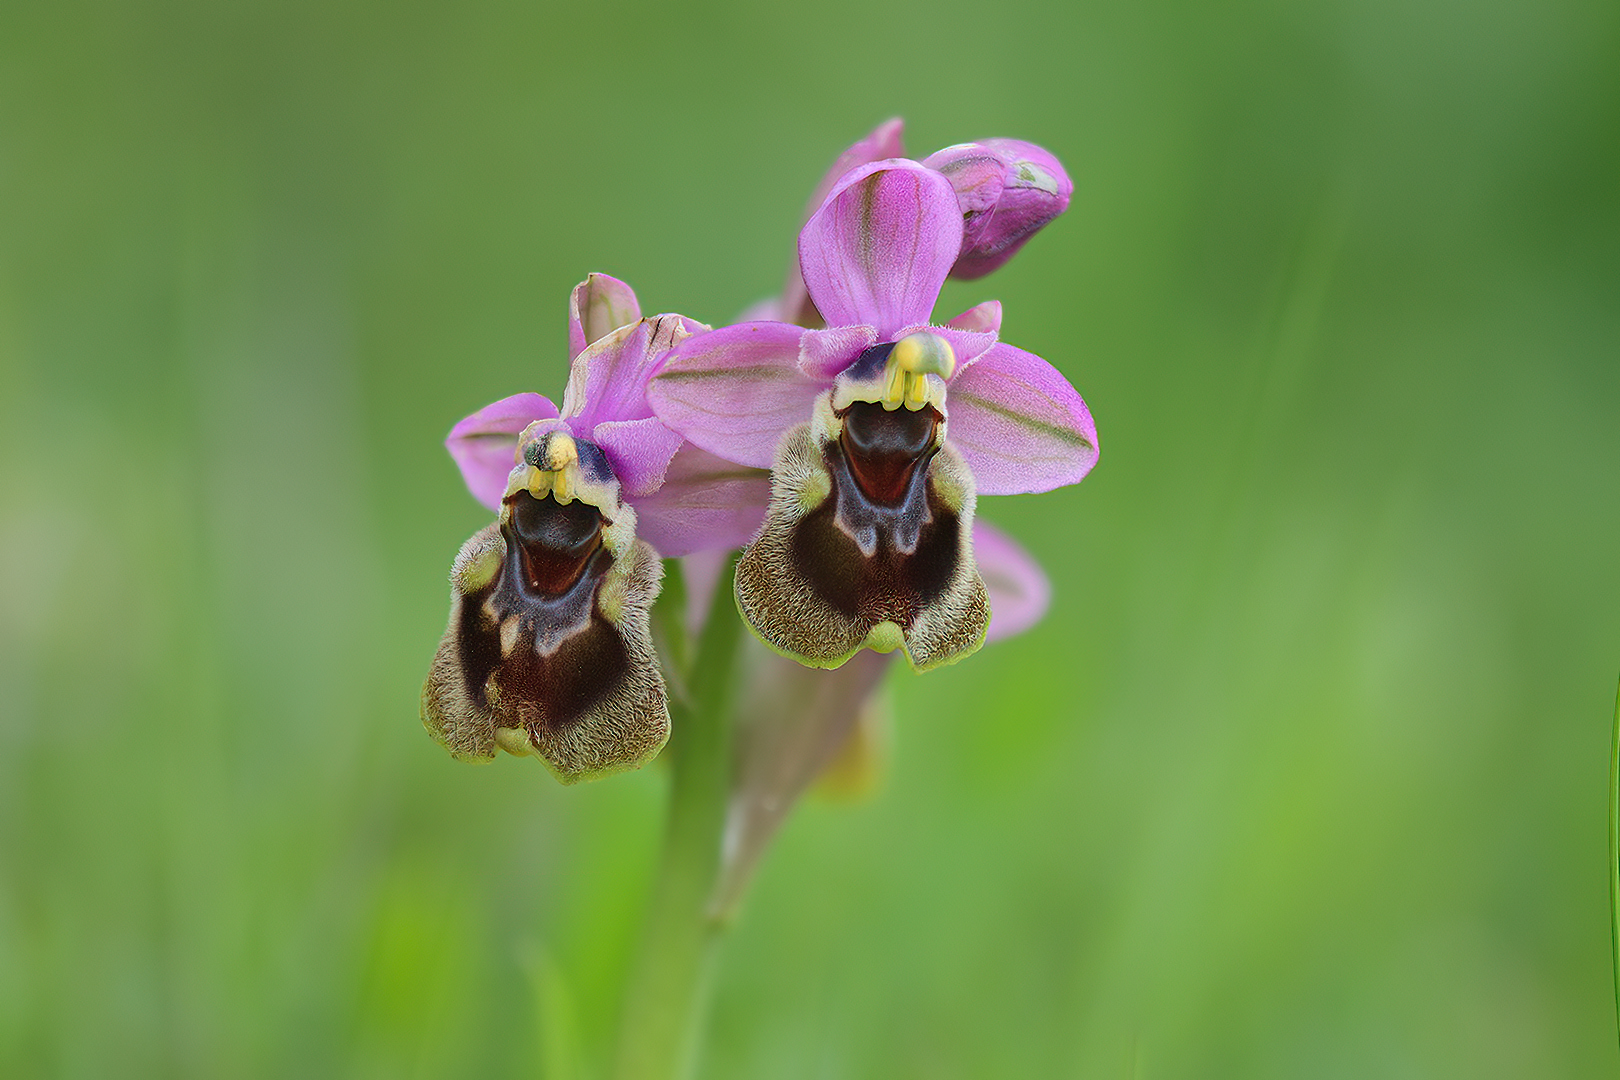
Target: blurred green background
x,y
1303,775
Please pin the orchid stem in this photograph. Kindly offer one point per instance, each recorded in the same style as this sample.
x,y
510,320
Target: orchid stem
x,y
667,992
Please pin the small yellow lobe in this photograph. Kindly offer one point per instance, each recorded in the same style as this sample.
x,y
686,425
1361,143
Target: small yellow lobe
x,y
514,741
553,473
561,451
479,570
894,387
885,637
917,392
913,359
925,354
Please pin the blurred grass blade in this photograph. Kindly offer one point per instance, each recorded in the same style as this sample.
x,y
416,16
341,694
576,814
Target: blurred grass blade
x,y
557,1017
1614,856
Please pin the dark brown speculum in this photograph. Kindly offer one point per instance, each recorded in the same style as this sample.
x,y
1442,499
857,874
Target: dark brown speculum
x,y
884,447
882,546
557,544
563,656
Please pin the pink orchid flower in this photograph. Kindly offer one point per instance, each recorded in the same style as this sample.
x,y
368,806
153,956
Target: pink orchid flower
x,y
868,540
1007,191
548,650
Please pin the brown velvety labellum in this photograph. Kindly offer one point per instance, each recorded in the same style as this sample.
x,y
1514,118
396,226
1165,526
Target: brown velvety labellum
x,y
888,585
567,682
557,542
565,658
884,447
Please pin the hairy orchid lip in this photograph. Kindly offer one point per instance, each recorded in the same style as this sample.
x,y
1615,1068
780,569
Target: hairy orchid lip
x,y
548,651
559,542
862,548
885,446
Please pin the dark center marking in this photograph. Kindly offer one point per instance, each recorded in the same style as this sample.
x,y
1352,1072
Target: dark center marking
x,y
557,541
884,447
566,657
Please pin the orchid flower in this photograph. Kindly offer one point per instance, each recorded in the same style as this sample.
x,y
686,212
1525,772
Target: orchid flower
x,y
868,539
548,651
1007,191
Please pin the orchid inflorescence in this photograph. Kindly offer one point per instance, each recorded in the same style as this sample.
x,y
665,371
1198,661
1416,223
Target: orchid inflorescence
x,y
837,435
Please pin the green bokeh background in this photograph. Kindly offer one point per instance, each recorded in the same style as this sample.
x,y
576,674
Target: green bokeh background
x,y
1302,776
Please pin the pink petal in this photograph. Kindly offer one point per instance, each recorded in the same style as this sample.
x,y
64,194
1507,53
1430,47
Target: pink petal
x,y
1019,423
1018,587
608,381
485,444
884,142
825,353
878,250
705,502
639,452
598,306
984,318
735,390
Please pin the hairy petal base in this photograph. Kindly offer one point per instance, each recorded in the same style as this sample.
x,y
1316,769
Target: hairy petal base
x,y
835,571
576,684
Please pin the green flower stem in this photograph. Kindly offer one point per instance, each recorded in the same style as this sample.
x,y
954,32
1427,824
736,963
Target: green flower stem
x,y
666,998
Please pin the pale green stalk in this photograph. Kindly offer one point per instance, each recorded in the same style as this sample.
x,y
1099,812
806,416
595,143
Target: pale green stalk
x,y
667,992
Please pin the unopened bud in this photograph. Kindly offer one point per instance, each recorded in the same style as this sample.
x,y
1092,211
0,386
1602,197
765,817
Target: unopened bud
x,y
1007,190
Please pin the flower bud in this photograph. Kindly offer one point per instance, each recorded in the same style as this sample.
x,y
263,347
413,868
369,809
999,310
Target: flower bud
x,y
1007,190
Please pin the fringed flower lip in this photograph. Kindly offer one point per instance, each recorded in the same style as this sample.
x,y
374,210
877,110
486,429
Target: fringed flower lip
x,y
548,650
880,429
